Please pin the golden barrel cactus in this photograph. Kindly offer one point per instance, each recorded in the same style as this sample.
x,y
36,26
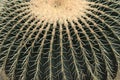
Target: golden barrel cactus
x,y
60,39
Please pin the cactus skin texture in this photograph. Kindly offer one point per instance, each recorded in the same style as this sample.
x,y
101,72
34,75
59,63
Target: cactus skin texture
x,y
86,47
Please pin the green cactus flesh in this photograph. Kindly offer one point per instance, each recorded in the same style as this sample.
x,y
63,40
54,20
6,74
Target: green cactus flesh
x,y
60,39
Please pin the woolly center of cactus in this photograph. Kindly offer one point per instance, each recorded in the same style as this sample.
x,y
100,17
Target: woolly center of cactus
x,y
53,10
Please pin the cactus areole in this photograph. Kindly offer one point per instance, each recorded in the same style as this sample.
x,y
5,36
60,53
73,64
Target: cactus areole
x,y
59,39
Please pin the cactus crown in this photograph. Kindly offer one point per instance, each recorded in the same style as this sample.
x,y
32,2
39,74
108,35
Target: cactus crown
x,y
60,39
58,10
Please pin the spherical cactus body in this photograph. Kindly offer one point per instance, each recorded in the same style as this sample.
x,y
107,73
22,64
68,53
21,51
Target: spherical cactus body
x,y
60,39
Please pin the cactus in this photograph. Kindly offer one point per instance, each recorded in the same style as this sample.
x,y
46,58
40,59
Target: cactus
x,y
60,39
